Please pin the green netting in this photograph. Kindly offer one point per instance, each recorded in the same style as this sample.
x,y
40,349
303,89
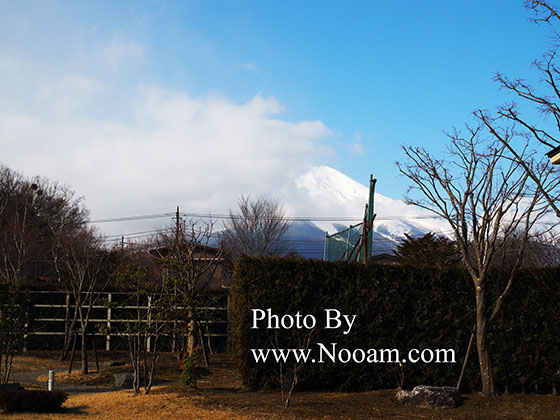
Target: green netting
x,y
349,244
344,245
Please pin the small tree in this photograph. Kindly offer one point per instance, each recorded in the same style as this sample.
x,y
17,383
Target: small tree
x,y
149,302
289,370
187,265
259,229
80,261
487,197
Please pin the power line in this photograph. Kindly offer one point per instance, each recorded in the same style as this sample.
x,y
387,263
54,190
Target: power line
x,y
130,218
237,216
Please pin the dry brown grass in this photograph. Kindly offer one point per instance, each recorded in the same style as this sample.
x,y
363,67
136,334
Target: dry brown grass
x,y
168,367
102,378
221,396
37,360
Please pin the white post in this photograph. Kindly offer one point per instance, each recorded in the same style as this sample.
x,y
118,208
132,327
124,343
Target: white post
x,y
108,337
51,380
149,322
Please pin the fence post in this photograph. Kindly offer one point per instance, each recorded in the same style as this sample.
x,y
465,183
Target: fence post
x,y
108,337
228,340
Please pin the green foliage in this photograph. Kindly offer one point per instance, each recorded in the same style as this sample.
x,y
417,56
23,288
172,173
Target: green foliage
x,y
193,369
33,401
15,311
428,250
401,307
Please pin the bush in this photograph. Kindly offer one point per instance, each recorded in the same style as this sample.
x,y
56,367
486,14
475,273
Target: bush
x,y
193,369
34,401
396,307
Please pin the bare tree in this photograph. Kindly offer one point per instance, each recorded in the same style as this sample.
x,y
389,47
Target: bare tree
x,y
188,265
80,261
16,241
289,371
487,197
149,302
544,134
259,229
29,208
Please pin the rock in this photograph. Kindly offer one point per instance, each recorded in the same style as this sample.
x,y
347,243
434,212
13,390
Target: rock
x,y
123,380
111,363
430,397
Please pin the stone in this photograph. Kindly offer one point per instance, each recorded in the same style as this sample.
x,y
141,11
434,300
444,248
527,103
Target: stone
x,y
430,397
112,363
123,380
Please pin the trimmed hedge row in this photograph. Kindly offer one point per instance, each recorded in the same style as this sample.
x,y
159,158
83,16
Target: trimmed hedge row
x,y
32,401
396,307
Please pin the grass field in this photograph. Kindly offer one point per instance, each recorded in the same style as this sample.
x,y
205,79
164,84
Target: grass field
x,y
222,396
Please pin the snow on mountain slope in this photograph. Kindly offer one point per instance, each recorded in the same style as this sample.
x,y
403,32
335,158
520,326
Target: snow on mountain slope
x,y
331,194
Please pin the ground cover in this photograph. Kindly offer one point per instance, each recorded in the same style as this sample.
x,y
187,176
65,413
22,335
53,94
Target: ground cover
x,y
222,396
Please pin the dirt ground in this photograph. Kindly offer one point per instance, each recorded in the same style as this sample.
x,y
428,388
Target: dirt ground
x,y
222,396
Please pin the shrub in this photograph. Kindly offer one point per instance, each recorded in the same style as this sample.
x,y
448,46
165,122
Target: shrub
x,y
35,401
193,369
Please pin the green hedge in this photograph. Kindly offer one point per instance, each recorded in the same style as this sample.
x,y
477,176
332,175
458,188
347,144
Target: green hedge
x,y
32,400
400,307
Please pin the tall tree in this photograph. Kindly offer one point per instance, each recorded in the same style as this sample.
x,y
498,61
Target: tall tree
x,y
29,210
544,97
487,198
260,228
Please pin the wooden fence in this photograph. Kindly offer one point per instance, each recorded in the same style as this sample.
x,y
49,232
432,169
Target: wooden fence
x,y
53,311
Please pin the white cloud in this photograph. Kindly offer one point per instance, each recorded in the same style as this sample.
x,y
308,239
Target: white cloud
x,y
250,66
118,50
201,153
66,96
356,145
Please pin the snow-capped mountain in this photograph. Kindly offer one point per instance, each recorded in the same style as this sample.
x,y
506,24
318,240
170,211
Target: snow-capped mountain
x,y
332,194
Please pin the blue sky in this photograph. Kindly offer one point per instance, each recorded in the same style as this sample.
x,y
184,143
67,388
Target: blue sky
x,y
342,84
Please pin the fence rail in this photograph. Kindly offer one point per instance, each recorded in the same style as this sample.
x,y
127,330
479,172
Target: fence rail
x,y
53,312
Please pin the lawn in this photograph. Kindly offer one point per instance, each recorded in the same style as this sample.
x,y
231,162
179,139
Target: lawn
x,y
222,396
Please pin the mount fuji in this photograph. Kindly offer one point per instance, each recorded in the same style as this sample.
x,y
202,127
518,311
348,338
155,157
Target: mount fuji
x,y
338,201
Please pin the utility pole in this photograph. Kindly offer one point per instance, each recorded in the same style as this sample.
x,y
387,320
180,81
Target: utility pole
x,y
177,228
371,216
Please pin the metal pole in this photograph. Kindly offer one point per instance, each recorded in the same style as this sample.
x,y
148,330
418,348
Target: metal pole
x,y
348,242
325,247
466,358
108,337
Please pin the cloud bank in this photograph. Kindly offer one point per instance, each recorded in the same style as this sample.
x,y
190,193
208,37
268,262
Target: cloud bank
x,y
201,153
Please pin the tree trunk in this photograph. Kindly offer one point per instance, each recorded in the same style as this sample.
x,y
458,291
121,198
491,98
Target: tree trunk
x,y
485,362
68,332
85,369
